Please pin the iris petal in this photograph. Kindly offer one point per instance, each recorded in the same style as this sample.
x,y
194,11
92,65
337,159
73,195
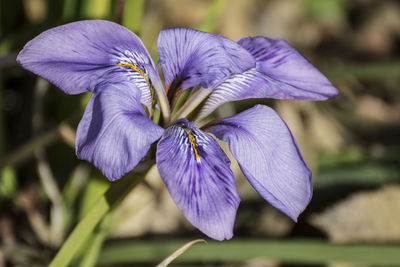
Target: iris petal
x,y
194,58
269,157
115,133
197,175
281,62
77,56
249,84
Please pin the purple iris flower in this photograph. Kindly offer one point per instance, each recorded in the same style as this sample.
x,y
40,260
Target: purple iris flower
x,y
117,130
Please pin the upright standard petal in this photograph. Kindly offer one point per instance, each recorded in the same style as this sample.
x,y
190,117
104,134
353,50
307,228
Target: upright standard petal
x,y
298,78
194,58
115,133
269,157
197,175
75,57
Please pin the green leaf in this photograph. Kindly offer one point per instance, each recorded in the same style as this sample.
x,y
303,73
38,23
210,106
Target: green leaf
x,y
132,16
8,182
75,184
96,9
85,99
95,243
370,173
95,188
288,251
70,9
368,71
325,9
214,13
115,193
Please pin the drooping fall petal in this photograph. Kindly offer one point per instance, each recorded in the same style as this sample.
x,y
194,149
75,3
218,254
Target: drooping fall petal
x,y
115,132
269,157
197,175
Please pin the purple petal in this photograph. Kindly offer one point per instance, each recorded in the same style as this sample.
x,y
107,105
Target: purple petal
x,y
249,84
298,78
269,157
197,175
115,133
194,58
75,57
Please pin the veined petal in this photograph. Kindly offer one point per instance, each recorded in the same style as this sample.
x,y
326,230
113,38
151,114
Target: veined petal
x,y
77,56
194,58
249,84
269,157
298,78
197,175
114,133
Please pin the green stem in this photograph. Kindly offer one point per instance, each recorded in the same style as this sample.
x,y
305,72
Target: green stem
x,y
115,194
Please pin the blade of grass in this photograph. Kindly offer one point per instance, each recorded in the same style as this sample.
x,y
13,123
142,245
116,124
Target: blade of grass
x,y
8,183
73,189
132,16
2,122
75,183
57,208
69,9
286,251
95,188
96,9
115,193
369,173
95,244
365,71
